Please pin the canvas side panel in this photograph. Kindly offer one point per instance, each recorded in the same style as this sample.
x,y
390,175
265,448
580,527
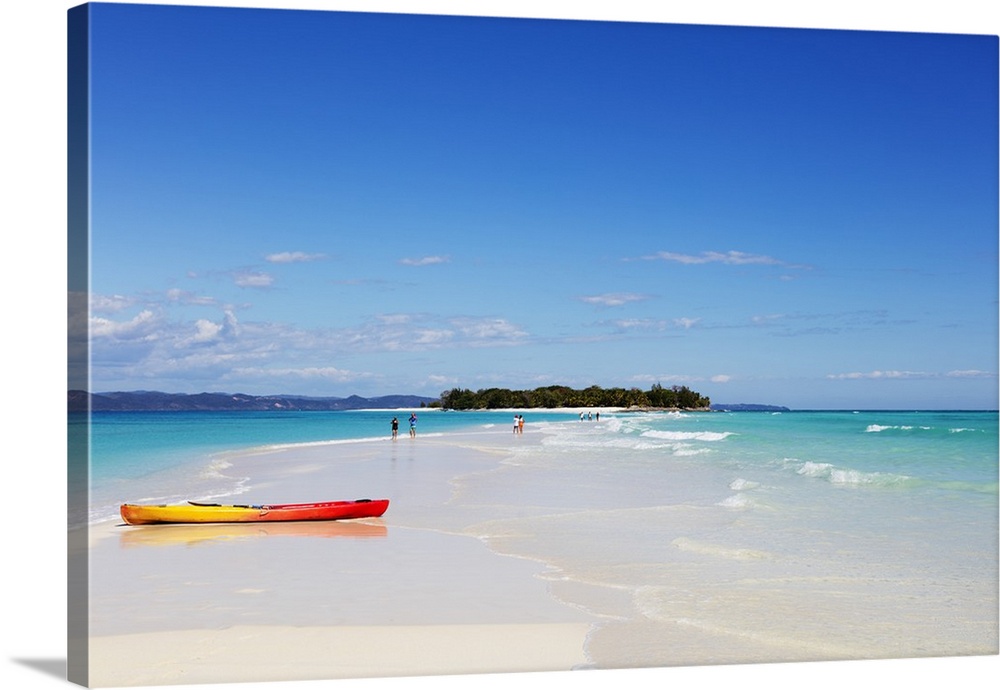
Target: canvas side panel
x,y
78,350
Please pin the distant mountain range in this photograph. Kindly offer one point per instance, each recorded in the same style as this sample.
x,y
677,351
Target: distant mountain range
x,y
154,401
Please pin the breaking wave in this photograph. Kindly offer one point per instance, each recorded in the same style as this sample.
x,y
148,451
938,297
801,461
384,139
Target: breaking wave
x,y
710,436
878,428
739,501
743,485
847,477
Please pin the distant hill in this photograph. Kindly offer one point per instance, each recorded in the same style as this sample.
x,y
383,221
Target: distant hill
x,y
154,401
747,407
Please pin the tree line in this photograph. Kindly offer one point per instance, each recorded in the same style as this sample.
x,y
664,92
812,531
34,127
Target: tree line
x,y
675,397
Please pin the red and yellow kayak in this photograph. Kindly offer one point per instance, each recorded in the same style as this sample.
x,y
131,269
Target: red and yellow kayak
x,y
191,512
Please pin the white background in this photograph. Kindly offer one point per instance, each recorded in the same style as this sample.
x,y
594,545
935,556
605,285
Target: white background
x,y
32,162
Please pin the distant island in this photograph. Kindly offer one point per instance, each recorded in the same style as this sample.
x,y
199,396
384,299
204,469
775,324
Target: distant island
x,y
154,401
657,397
747,407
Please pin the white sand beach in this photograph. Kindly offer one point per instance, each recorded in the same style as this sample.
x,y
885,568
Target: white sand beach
x,y
269,653
403,595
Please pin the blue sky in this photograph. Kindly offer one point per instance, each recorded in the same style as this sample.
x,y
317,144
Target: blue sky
x,y
331,203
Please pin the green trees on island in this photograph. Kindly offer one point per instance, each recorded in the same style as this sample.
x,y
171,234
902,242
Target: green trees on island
x,y
679,397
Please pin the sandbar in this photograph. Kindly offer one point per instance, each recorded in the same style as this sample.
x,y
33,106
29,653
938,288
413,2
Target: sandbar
x,y
408,594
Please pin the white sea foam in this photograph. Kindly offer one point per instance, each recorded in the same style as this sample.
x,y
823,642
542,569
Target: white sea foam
x,y
815,469
849,477
856,478
682,450
613,424
688,435
312,444
740,484
876,428
739,500
646,441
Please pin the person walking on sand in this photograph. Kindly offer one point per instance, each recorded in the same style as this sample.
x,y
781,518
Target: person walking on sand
x,y
413,424
520,424
515,423
395,428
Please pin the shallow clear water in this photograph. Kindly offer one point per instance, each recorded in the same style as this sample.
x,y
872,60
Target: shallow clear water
x,y
168,457
692,538
834,535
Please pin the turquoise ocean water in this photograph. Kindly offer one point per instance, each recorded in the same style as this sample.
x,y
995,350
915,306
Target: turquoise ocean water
x,y
745,537
690,536
941,456
176,456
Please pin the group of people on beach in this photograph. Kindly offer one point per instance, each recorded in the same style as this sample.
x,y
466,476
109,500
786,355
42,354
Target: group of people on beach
x,y
413,426
518,424
590,417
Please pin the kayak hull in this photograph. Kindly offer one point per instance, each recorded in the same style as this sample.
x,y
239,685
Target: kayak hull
x,y
134,514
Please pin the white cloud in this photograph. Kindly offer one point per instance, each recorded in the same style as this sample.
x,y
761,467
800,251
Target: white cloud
x,y
490,331
971,374
420,332
721,378
430,337
424,260
184,297
207,331
667,379
896,374
253,279
441,381
203,351
139,327
733,258
309,373
640,324
878,374
293,257
110,304
651,325
614,299
394,318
